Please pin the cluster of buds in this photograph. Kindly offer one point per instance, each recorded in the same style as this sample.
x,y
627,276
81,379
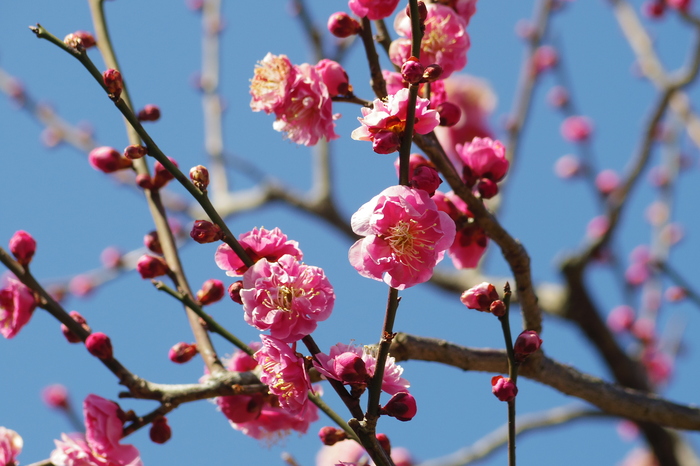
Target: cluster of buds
x,y
413,72
484,298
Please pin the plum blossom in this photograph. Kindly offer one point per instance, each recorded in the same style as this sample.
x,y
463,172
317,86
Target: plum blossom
x,y
17,305
258,244
100,446
286,297
385,122
484,164
464,8
470,240
405,236
373,9
284,374
445,41
328,365
10,446
271,83
395,82
334,77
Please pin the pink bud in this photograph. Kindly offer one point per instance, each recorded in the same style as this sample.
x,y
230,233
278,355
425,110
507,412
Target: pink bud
x,y
480,297
182,352
113,83
99,345
70,336
55,396
234,291
111,257
527,343
211,292
426,178
412,71
199,176
149,113
150,266
597,227
620,318
152,241
567,166
576,128
498,308
107,160
637,273
503,388
81,285
330,435
161,174
402,406
680,5
449,114
607,181
432,73
342,25
350,368
204,232
644,328
160,431
23,247
135,151
544,58
487,188
384,441
144,181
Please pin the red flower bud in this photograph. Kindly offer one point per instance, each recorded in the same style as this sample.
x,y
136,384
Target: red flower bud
x,y
342,25
527,343
113,83
182,352
151,266
107,160
211,292
135,151
330,435
200,177
99,345
70,336
350,368
204,232
161,174
152,242
149,113
160,431
449,114
487,188
432,73
23,247
234,291
412,71
498,308
144,181
422,11
426,178
503,388
402,406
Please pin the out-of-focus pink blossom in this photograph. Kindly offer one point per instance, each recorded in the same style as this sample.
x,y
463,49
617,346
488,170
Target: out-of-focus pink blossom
x,y
22,246
480,297
567,166
81,285
331,366
286,297
243,362
284,374
17,305
681,5
639,457
627,430
476,101
659,366
401,406
307,115
597,227
651,298
644,329
241,408
405,236
258,244
558,96
464,8
607,181
503,388
212,291
641,254
544,58
271,83
345,451
111,257
10,446
334,77
483,158
671,234
55,396
445,40
657,213
161,175
388,119
674,294
659,176
373,9
576,128
654,9
621,318
637,273
152,241
151,267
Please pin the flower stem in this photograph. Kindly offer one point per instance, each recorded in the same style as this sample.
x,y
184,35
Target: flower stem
x,y
375,385
512,372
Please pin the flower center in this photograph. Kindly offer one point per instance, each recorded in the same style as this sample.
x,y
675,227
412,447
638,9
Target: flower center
x,y
436,39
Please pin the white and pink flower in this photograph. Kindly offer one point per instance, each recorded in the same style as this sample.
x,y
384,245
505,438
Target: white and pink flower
x,y
271,83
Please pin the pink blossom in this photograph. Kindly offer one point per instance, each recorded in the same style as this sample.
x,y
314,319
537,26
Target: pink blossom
x,y
334,77
328,365
464,8
287,298
470,239
476,101
395,82
405,236
597,227
637,273
607,181
620,318
102,423
576,128
558,96
284,374
445,41
659,366
483,158
544,58
17,305
480,297
10,446
503,388
241,408
258,244
242,361
81,285
388,120
271,83
345,451
373,9
674,294
567,166
307,115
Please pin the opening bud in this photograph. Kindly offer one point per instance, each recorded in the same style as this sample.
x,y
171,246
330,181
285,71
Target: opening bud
x,y
135,151
503,388
70,336
234,291
23,247
480,297
113,83
80,40
152,242
330,435
412,71
402,406
211,292
343,25
204,232
107,160
149,113
160,431
182,352
432,73
200,177
527,343
99,345
151,267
